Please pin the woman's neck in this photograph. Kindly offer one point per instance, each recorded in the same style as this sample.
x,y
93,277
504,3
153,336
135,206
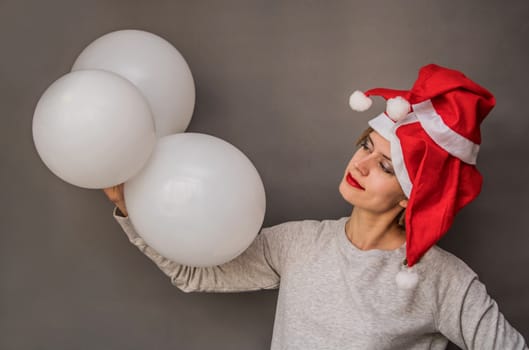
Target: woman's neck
x,y
367,230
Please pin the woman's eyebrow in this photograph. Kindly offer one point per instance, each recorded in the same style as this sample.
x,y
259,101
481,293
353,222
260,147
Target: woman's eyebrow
x,y
371,142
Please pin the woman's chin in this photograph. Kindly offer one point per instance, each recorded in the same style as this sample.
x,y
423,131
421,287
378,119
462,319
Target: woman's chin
x,y
345,192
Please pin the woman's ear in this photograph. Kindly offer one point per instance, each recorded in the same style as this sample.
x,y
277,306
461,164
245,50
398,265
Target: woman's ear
x,y
404,203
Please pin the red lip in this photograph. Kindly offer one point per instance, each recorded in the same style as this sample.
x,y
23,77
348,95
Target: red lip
x,y
351,181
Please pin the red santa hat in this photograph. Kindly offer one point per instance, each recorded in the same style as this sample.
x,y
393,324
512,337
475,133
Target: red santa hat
x,y
434,134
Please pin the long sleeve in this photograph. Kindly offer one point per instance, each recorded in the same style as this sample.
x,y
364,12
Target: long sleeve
x,y
471,319
258,267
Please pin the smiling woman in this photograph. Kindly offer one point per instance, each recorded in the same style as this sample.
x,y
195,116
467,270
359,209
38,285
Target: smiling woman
x,y
363,281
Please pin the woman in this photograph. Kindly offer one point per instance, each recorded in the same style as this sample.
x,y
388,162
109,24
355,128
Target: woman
x,y
376,279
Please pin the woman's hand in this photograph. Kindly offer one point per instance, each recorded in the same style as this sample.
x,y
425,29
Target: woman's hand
x,y
115,194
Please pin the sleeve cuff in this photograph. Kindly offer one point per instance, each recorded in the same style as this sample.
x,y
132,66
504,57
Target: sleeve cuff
x,y
126,225
118,212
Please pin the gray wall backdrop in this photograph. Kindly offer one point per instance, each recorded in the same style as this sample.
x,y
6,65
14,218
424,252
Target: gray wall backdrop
x,y
273,79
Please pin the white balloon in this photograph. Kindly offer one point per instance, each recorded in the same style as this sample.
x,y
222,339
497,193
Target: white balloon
x,y
198,201
93,129
154,66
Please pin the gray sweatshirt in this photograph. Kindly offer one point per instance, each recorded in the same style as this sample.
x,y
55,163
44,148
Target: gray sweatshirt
x,y
333,295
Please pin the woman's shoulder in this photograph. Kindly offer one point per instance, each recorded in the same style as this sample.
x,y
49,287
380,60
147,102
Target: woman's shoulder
x,y
443,267
304,231
307,225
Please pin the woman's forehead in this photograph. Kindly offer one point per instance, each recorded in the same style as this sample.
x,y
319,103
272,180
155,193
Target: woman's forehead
x,y
381,144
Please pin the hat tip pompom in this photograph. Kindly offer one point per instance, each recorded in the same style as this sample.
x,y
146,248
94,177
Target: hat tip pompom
x,y
407,279
359,101
397,108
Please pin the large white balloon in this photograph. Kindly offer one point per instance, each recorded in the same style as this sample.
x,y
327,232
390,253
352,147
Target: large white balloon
x,y
154,66
93,129
199,201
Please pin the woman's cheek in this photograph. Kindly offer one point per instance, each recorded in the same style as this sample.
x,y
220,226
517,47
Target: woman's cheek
x,y
381,189
377,185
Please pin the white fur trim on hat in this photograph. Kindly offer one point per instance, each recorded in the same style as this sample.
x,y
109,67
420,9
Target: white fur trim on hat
x,y
359,101
397,108
386,128
383,125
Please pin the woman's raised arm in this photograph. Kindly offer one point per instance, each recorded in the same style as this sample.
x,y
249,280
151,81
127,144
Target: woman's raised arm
x,y
258,267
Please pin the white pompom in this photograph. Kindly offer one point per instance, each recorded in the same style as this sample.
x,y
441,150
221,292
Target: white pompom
x,y
397,108
407,279
359,101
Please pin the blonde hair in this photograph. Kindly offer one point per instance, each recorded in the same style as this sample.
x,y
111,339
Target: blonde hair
x,y
401,217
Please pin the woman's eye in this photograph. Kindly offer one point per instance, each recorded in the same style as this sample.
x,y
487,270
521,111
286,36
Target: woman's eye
x,y
386,170
364,145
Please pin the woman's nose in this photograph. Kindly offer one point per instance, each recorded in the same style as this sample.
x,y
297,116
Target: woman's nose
x,y
362,166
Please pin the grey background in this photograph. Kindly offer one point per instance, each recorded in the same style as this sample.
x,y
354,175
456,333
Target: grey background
x,y
272,78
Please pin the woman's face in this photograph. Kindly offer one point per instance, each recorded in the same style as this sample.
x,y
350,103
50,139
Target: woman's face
x,y
369,181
